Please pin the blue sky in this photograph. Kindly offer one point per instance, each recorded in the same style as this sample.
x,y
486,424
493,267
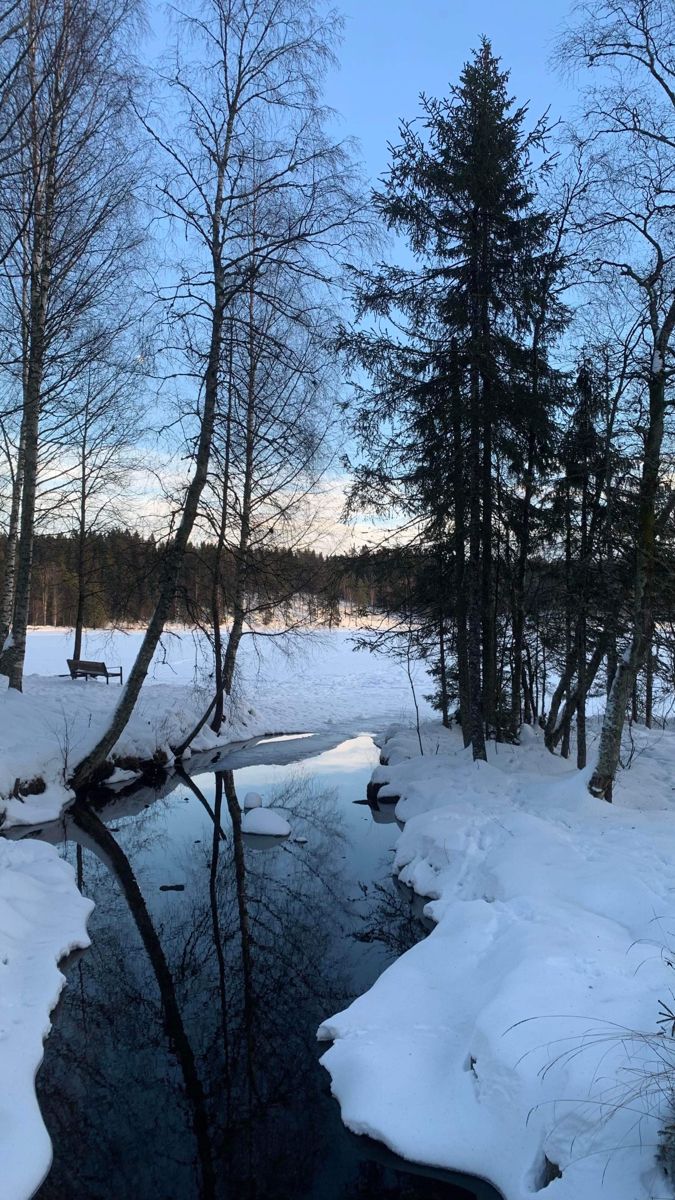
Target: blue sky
x,y
394,49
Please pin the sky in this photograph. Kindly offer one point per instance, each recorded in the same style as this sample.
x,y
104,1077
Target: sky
x,y
395,49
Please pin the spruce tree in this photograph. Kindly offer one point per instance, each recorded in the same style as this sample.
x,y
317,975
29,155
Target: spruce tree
x,y
449,349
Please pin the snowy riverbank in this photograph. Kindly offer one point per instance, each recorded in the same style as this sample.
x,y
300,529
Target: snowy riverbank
x,y
42,918
509,1043
305,682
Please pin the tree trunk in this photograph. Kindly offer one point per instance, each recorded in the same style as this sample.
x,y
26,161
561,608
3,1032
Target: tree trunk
x,y
624,680
582,691
474,590
24,558
37,275
82,538
443,675
589,673
519,597
9,581
649,689
175,553
99,839
488,603
218,713
241,569
459,538
612,663
556,700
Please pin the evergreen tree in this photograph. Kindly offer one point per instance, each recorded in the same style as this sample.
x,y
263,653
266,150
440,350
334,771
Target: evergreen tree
x,y
453,358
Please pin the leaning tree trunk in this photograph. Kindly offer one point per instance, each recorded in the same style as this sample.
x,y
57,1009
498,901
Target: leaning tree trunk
x,y
561,689
218,709
626,673
173,558
241,571
589,672
98,838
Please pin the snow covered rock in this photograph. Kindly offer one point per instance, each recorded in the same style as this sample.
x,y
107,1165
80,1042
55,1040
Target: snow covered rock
x,y
252,800
265,821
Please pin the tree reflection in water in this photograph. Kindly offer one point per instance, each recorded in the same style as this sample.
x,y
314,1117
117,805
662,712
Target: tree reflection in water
x,y
183,1061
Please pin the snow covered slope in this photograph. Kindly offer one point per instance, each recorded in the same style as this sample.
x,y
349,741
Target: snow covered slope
x,y
42,918
511,1042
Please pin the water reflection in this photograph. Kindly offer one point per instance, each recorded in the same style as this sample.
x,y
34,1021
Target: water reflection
x,y
183,1061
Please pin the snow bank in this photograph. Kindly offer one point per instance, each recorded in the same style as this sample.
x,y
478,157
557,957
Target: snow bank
x,y
508,1044
46,729
252,800
302,684
265,821
42,918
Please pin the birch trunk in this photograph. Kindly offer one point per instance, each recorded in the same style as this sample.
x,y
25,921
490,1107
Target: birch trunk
x,y
175,553
609,751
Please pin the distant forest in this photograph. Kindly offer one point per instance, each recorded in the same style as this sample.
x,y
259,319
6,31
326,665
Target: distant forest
x,y
121,579
120,582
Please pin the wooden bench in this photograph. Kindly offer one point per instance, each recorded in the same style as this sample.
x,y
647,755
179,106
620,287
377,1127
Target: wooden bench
x,y
81,668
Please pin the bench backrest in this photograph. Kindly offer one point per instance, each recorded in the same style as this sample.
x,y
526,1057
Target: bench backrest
x,y
83,664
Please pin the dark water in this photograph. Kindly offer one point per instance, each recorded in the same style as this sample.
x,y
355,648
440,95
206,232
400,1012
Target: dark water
x,y
183,1061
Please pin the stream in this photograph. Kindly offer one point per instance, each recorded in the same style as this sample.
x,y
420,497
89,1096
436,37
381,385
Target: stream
x,y
183,1061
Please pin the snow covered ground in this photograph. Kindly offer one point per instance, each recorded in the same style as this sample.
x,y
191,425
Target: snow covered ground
x,y
519,1041
307,683
42,918
302,683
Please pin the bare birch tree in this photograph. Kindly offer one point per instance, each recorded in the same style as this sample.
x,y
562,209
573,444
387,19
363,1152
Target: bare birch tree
x,y
68,216
631,215
249,127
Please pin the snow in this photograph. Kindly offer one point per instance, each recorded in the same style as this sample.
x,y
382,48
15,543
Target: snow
x,y
524,1028
521,1033
265,821
42,918
252,800
303,683
308,685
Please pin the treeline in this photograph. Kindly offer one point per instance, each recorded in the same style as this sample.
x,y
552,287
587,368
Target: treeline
x,y
514,395
122,579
